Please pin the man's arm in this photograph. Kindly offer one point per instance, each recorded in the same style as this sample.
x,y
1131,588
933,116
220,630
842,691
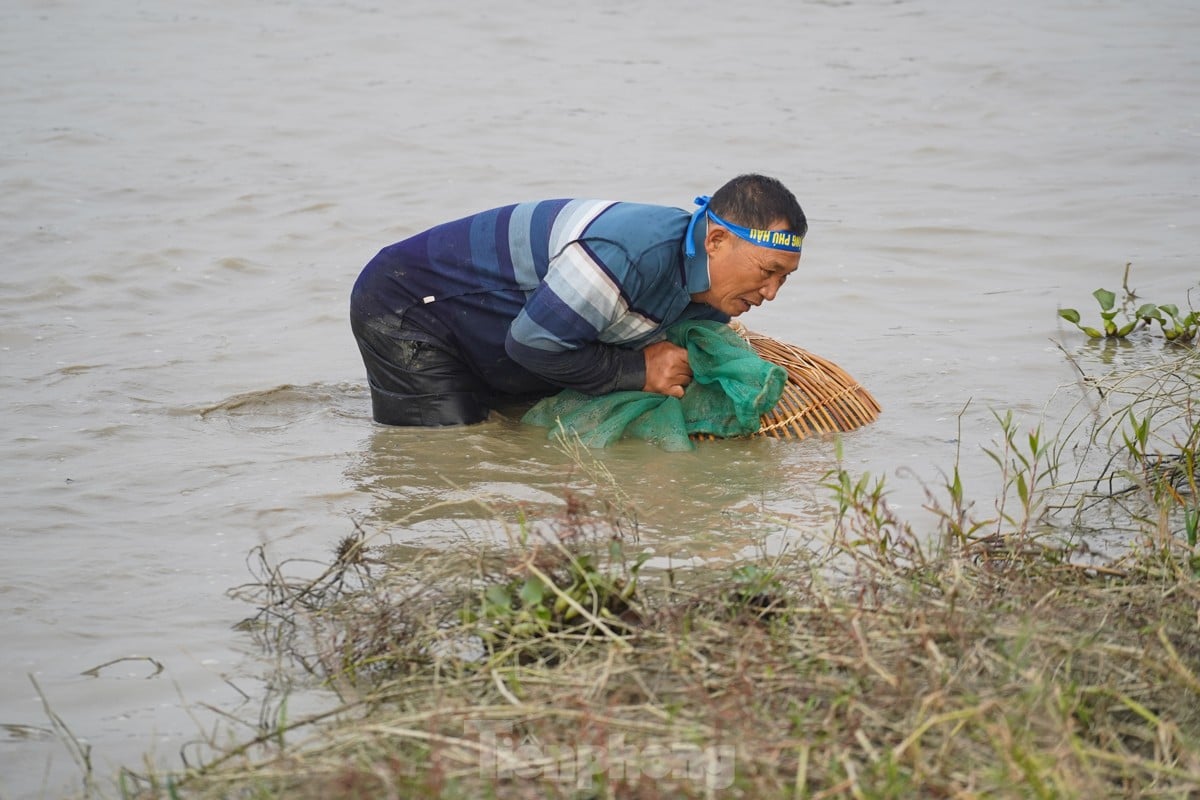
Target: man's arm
x,y
593,368
556,335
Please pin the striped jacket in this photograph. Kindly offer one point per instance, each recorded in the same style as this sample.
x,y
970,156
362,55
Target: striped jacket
x,y
547,295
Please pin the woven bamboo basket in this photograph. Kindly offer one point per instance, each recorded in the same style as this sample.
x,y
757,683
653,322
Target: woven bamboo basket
x,y
819,397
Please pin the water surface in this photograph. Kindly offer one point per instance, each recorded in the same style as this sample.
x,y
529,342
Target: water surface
x,y
189,190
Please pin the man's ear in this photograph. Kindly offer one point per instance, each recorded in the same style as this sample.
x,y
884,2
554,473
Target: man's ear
x,y
713,239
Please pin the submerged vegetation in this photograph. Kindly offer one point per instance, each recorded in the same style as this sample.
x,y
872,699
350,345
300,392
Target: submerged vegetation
x,y
1047,646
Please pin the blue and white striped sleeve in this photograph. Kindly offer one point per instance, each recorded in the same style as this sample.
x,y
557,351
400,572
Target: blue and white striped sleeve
x,y
557,334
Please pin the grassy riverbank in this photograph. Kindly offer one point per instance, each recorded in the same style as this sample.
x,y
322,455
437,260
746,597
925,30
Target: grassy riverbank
x,y
985,655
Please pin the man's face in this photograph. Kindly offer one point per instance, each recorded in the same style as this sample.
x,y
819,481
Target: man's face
x,y
743,275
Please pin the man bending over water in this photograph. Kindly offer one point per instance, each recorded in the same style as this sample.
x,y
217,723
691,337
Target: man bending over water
x,y
520,302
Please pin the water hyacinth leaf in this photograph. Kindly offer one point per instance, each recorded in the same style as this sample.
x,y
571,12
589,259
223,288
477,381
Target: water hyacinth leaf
x,y
1148,312
497,598
1072,315
1105,298
532,591
1126,329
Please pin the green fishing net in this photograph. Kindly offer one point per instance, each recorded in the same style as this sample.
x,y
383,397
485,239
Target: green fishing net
x,y
731,389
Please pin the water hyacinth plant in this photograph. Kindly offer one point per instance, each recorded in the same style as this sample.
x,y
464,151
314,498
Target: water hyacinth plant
x,y
1175,325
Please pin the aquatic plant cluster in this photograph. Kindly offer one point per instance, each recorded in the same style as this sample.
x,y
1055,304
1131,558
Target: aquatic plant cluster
x,y
1046,644
1118,322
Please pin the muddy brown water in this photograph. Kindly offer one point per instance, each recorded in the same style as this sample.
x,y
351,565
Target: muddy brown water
x,y
188,191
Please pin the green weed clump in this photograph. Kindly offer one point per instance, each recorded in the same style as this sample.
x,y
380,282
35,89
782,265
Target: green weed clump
x,y
1118,321
995,652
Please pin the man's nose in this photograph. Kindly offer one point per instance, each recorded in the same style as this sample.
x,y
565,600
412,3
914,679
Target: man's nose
x,y
771,288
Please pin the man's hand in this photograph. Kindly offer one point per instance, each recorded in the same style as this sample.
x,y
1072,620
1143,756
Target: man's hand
x,y
667,369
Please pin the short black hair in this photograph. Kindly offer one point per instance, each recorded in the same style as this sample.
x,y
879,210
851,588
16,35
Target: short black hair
x,y
757,201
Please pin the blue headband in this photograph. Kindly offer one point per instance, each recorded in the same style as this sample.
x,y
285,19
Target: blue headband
x,y
776,240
